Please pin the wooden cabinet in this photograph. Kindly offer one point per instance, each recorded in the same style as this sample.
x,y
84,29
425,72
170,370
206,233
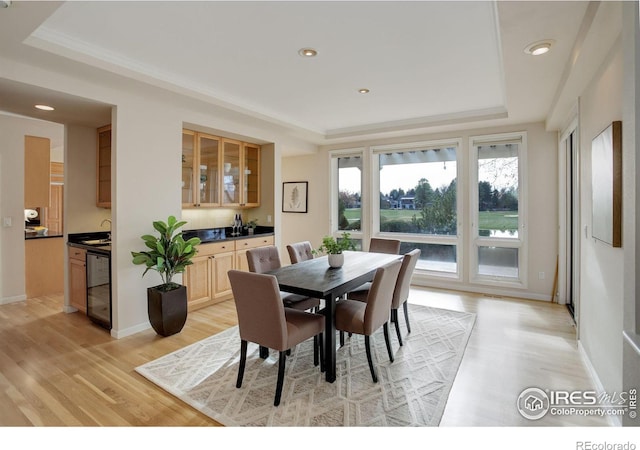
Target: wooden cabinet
x,y
37,166
200,170
219,172
103,168
241,178
44,266
251,175
78,278
206,279
53,215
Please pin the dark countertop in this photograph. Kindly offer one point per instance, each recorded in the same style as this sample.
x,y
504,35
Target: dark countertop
x,y
44,236
206,235
77,240
104,249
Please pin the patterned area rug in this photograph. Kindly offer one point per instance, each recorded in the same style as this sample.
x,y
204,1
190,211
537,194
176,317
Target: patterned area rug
x,y
412,391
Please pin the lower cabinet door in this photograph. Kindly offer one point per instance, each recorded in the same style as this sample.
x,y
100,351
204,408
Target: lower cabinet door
x,y
223,263
78,284
197,279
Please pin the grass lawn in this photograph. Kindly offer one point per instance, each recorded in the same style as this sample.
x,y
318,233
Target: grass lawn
x,y
489,220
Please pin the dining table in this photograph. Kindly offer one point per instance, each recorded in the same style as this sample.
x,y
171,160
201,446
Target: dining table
x,y
315,278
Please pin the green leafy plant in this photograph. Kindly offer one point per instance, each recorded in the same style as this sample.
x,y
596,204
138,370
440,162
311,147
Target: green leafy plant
x,y
333,246
252,223
167,254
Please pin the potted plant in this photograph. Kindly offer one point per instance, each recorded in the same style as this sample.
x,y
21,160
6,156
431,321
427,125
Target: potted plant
x,y
251,225
334,248
167,254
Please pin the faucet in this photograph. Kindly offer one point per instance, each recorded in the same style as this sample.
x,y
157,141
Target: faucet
x,y
102,223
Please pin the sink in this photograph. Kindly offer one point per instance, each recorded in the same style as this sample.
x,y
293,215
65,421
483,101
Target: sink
x,y
97,242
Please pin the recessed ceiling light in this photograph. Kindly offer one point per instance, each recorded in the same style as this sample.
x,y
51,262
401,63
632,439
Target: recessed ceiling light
x,y
538,48
364,91
5,3
45,107
308,52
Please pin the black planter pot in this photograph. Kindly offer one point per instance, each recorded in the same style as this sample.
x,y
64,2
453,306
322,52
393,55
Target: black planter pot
x,y
167,310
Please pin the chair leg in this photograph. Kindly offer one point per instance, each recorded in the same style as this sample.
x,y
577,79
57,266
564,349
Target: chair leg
x,y
405,307
243,360
321,346
342,339
385,328
394,319
264,352
315,350
367,346
281,363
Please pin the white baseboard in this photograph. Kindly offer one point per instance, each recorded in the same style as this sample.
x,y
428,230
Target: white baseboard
x,y
484,290
119,334
614,421
14,299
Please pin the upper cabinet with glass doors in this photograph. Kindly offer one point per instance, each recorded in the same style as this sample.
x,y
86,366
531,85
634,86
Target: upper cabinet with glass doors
x,y
251,175
200,170
219,172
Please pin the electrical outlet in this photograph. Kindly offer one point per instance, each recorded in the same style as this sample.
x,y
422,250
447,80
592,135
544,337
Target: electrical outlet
x,y
6,221
541,275
269,219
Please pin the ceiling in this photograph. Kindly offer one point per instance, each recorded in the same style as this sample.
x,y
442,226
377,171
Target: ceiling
x,y
428,65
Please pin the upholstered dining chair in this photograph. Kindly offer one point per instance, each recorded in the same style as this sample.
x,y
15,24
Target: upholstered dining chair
x,y
378,245
264,259
357,317
300,251
400,292
263,320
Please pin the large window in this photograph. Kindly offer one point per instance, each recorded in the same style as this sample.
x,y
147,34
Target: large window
x,y
498,232
418,201
414,192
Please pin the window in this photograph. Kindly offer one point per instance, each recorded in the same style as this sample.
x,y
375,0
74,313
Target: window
x,y
347,211
418,201
414,192
496,208
349,193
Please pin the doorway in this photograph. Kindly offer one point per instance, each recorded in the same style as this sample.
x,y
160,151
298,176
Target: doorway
x,y
569,281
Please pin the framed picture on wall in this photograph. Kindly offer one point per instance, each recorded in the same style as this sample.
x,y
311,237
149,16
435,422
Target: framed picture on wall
x,y
295,196
606,185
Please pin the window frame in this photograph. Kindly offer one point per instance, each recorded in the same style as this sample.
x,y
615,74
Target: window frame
x,y
456,240
364,194
475,240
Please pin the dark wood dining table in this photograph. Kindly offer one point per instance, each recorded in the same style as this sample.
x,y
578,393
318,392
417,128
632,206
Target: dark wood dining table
x,y
315,278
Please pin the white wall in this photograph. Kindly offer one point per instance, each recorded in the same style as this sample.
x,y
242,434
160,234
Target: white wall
x,y
601,289
542,204
81,213
315,224
12,132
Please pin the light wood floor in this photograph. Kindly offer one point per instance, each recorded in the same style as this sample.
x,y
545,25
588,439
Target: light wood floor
x,y
58,369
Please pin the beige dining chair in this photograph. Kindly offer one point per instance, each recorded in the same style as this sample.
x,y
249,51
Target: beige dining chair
x,y
264,259
357,317
300,251
378,245
400,292
263,320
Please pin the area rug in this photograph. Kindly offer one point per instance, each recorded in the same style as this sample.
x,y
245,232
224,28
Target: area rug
x,y
411,391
